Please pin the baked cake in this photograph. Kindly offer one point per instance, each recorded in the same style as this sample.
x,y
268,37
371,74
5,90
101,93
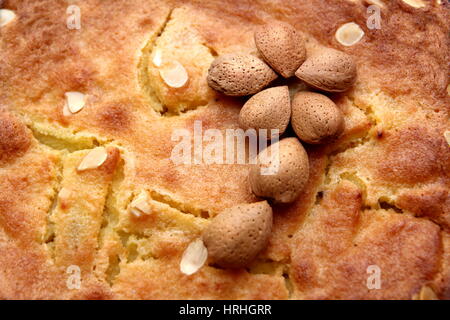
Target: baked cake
x,y
86,124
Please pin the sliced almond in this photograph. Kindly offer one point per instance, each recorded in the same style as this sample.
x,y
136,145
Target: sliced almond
x,y
415,3
140,205
349,34
447,136
426,293
94,159
174,74
448,89
6,16
194,257
157,58
75,101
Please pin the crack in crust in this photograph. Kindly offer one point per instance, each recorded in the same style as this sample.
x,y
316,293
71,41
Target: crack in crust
x,y
385,203
177,40
143,65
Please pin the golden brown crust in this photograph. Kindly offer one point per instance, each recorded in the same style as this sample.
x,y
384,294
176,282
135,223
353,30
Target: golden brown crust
x,y
384,182
340,242
432,202
156,279
14,137
414,155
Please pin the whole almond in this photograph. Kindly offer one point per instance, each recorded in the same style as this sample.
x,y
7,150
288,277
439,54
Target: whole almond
x,y
237,234
282,171
281,46
329,70
239,74
268,109
316,118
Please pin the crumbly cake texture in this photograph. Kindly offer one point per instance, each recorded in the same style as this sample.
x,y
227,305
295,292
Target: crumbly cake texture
x,y
378,196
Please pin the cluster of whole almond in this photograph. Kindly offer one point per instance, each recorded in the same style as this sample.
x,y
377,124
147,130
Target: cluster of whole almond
x,y
236,235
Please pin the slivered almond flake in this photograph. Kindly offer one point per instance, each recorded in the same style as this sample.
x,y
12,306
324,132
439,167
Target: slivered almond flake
x,y
349,34
426,293
174,74
75,101
135,212
415,3
194,257
6,16
447,136
157,58
94,159
140,205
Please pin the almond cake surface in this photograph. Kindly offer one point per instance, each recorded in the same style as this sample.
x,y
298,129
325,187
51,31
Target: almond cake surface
x,y
86,122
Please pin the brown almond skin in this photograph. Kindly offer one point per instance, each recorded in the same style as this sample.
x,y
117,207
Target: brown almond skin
x,y
281,46
328,70
315,118
239,74
237,234
268,109
285,185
